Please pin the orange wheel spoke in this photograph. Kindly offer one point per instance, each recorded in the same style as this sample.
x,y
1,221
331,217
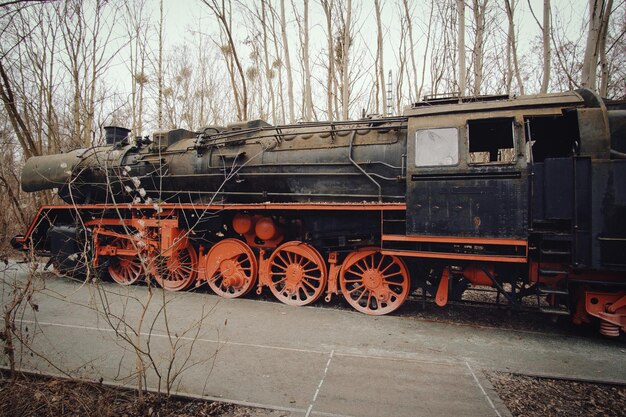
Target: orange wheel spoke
x,y
386,268
394,274
311,286
284,261
380,263
356,288
369,299
279,266
312,277
361,269
361,295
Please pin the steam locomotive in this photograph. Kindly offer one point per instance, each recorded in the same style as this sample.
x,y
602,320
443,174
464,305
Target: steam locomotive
x,y
523,194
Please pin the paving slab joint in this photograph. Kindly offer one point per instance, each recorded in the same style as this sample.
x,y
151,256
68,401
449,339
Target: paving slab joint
x,y
492,397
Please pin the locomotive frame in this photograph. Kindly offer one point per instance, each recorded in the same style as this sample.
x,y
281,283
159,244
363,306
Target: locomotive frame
x,y
525,194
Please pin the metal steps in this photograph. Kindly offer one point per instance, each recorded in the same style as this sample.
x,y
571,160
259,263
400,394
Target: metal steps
x,y
546,291
542,290
552,272
557,311
554,252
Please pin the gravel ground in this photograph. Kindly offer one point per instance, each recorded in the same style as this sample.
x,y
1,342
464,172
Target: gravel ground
x,y
543,397
39,396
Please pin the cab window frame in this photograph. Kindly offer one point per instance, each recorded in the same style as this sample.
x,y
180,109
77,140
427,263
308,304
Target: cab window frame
x,y
492,130
452,137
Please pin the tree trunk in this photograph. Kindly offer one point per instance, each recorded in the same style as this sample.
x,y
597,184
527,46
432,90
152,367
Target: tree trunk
x,y
268,70
604,65
599,13
283,28
328,10
160,69
460,5
380,53
278,63
345,87
512,61
307,69
545,82
428,36
409,24
479,9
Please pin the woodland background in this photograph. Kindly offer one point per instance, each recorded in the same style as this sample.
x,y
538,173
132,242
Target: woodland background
x,y
68,68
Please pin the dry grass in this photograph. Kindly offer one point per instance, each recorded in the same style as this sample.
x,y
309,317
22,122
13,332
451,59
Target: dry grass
x,y
42,396
529,397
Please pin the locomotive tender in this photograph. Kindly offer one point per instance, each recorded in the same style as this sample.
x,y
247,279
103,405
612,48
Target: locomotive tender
x,y
523,194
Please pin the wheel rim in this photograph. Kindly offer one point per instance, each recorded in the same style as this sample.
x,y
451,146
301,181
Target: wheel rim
x,y
178,272
297,273
374,283
127,269
231,268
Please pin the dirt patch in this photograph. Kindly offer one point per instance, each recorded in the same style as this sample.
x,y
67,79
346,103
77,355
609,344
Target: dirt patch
x,y
32,395
529,396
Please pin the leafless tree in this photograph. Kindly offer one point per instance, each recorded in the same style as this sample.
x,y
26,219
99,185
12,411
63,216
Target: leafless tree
x,y
381,93
160,69
269,67
460,5
546,35
331,84
512,67
308,94
87,37
599,14
137,28
344,59
283,31
223,13
479,11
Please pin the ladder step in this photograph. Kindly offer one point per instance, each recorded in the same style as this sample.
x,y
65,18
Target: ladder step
x,y
553,252
549,290
556,237
554,310
552,272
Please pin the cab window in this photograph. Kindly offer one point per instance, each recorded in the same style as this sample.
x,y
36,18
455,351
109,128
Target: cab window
x,y
437,147
491,141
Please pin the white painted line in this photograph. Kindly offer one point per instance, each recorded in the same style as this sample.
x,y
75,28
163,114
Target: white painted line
x,y
482,389
253,345
324,414
154,334
400,359
319,386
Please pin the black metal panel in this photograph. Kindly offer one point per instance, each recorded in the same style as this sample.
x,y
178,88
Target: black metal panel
x,y
537,197
491,203
619,179
558,188
582,208
608,233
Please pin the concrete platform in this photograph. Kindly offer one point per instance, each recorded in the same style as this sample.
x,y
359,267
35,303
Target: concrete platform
x,y
301,361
